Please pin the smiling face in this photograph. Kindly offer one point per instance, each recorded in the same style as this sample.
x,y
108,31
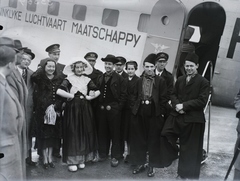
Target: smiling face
x,y
50,68
190,67
26,61
109,66
79,67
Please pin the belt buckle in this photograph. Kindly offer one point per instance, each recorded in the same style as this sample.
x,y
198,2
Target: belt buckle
x,y
147,102
108,108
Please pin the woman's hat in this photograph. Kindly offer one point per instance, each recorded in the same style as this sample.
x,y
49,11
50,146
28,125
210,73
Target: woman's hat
x,y
68,68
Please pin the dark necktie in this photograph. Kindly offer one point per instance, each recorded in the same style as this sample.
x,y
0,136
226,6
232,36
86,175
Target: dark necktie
x,y
24,75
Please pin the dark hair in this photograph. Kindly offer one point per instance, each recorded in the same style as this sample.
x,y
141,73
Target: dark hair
x,y
7,55
46,60
73,66
131,62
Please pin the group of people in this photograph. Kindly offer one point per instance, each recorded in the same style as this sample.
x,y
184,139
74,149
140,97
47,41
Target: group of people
x,y
96,114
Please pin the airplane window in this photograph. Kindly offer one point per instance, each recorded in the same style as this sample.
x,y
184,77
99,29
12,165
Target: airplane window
x,y
32,5
110,17
13,3
143,22
165,20
196,35
79,12
53,8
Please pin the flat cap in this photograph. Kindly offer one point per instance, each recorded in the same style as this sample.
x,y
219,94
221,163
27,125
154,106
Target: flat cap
x,y
162,56
53,48
121,60
91,55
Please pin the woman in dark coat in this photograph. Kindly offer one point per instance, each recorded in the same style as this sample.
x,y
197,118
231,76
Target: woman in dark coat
x,y
131,67
79,132
47,135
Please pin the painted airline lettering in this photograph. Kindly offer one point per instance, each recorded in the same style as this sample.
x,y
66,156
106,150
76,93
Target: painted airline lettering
x,y
45,21
12,14
105,34
235,39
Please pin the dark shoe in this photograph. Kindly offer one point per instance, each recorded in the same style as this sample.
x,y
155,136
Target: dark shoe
x,y
151,172
101,159
138,169
179,177
114,162
57,155
51,164
45,166
126,160
30,162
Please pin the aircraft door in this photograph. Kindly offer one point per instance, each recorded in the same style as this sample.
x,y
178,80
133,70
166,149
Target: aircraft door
x,y
165,29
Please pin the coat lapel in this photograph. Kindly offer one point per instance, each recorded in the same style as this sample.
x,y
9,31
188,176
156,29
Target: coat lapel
x,y
114,78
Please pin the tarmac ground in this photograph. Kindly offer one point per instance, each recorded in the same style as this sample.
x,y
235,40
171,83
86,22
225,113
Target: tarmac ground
x,y
222,138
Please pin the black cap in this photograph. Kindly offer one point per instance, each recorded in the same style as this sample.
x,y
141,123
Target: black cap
x,y
29,52
121,60
91,55
162,56
110,58
150,58
53,48
192,57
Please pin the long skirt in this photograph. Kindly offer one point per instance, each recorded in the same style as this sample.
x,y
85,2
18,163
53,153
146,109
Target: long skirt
x,y
79,132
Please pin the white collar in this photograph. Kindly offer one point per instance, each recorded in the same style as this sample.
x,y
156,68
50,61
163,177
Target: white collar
x,y
158,73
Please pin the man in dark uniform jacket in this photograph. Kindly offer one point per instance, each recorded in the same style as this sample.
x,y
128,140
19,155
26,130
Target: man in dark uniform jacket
x,y
91,57
120,65
161,63
148,120
113,90
54,53
187,121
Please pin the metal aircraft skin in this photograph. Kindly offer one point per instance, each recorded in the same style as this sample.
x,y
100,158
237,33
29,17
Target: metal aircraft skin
x,y
133,29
